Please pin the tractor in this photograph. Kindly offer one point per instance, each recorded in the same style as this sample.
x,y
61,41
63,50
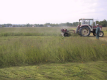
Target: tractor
x,y
87,26
84,28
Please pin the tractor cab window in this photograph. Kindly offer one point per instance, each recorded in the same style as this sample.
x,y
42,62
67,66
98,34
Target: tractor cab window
x,y
91,22
85,22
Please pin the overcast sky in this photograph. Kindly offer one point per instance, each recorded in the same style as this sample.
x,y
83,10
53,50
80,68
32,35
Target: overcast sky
x,y
51,11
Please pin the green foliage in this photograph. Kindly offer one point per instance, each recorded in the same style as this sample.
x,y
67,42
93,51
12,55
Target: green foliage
x,y
102,23
74,24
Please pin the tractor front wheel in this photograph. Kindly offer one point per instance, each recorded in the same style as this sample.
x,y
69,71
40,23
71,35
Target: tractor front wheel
x,y
101,34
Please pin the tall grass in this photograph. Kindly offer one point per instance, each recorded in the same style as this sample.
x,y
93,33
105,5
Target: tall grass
x,y
25,50
38,31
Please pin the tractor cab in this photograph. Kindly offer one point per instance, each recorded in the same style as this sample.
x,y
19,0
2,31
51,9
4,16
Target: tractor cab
x,y
86,22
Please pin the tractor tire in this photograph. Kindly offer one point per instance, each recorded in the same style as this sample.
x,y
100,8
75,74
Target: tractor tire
x,y
66,34
77,30
84,31
101,34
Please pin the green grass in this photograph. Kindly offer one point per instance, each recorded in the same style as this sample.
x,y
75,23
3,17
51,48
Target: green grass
x,y
47,55
30,31
38,31
57,71
30,50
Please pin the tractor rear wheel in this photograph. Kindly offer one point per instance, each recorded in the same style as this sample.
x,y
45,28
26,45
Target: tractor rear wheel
x,y
77,30
85,31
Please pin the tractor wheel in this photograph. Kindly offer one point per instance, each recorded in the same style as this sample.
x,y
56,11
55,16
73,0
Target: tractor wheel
x,y
77,30
101,34
85,31
66,34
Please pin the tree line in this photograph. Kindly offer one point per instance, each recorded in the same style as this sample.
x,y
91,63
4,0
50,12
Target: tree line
x,y
67,24
102,23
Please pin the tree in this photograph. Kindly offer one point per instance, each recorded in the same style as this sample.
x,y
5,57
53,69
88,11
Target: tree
x,y
69,24
28,25
75,23
103,23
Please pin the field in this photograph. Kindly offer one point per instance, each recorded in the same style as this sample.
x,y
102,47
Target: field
x,y
43,54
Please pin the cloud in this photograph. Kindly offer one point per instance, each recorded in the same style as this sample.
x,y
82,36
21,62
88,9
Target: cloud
x,y
53,11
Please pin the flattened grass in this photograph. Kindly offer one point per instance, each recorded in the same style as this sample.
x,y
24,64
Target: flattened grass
x,y
57,71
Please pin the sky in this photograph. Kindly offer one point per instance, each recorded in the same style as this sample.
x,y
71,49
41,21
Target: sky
x,y
51,11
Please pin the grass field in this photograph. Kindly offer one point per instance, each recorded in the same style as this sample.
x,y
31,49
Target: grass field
x,y
57,71
43,54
